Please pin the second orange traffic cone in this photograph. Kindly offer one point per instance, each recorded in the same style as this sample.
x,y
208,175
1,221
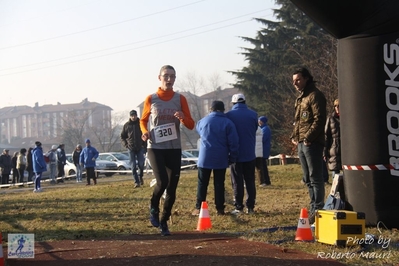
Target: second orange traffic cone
x,y
303,231
204,221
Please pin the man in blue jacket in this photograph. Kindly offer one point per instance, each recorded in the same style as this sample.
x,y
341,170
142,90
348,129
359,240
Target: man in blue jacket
x,y
39,165
88,158
219,147
246,122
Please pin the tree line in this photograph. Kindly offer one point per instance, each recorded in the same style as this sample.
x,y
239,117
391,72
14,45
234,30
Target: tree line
x,y
279,47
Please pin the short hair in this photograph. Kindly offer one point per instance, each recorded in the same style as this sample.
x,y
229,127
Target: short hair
x,y
305,73
166,67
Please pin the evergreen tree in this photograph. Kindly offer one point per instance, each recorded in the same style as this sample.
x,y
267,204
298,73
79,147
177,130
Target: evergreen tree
x,y
278,48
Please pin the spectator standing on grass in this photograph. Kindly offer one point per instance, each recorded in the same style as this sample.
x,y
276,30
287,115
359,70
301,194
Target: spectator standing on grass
x,y
76,157
219,148
164,110
15,175
332,150
39,165
29,164
243,170
262,150
131,140
5,165
88,158
61,161
53,162
308,135
21,165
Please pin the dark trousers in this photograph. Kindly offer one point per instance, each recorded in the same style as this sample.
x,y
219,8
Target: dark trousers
x,y
240,173
21,172
5,177
311,158
204,175
90,173
61,171
15,175
261,170
166,164
30,175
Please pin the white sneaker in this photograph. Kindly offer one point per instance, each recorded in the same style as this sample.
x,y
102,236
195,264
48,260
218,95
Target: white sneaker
x,y
236,212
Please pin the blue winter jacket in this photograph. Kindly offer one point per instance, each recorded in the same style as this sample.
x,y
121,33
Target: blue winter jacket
x,y
266,140
219,141
39,164
246,122
88,156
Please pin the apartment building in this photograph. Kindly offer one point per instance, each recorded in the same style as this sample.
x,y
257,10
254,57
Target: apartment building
x,y
48,122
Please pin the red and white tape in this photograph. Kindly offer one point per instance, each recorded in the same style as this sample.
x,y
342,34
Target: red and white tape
x,y
369,167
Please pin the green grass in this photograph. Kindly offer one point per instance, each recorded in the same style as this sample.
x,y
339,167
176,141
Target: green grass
x,y
74,211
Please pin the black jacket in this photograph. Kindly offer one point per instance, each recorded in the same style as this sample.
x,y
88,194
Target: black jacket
x,y
131,136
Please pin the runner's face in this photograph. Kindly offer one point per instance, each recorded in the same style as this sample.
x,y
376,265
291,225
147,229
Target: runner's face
x,y
167,78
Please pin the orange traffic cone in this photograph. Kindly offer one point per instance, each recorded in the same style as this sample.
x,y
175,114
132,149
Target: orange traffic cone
x,y
303,232
1,251
204,221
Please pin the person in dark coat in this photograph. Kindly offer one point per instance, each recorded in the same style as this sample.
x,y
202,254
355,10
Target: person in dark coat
x,y
332,150
61,157
29,164
131,140
5,166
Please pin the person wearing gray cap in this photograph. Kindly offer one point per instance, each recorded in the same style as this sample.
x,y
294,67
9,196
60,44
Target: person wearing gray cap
x,y
52,156
5,165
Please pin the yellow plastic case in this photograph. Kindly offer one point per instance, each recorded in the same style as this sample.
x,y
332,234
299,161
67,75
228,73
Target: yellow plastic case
x,y
340,227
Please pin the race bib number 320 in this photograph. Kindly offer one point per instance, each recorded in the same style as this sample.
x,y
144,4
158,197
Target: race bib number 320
x,y
165,132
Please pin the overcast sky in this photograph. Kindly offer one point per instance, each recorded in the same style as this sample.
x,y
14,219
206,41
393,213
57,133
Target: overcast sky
x,y
110,51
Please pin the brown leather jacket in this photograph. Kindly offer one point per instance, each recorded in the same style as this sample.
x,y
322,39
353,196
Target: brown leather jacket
x,y
310,115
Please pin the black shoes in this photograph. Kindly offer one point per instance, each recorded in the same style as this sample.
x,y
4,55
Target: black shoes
x,y
154,217
164,229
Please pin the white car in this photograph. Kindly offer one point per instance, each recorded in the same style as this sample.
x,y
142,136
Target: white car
x,y
188,161
122,161
194,152
102,167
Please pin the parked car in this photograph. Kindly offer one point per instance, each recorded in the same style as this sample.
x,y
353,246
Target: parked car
x,y
69,168
122,161
102,167
188,161
194,152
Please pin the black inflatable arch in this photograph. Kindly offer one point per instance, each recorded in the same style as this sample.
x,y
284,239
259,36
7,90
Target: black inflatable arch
x,y
368,81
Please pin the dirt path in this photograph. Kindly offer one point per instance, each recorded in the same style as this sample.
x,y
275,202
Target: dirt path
x,y
182,248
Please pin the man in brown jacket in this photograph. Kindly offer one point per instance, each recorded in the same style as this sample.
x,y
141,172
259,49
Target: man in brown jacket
x,y
308,134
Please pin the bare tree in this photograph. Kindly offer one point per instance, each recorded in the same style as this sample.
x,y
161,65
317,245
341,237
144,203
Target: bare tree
x,y
74,127
191,85
108,139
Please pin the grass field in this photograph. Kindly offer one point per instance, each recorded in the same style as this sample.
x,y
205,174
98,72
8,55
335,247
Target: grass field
x,y
114,207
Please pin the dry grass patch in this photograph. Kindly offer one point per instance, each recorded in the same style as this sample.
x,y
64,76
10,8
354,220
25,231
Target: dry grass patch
x,y
74,211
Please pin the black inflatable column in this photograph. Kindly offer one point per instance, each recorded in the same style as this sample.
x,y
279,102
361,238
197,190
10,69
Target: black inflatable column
x,y
368,80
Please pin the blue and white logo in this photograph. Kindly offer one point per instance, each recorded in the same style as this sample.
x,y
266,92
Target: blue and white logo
x,y
21,246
